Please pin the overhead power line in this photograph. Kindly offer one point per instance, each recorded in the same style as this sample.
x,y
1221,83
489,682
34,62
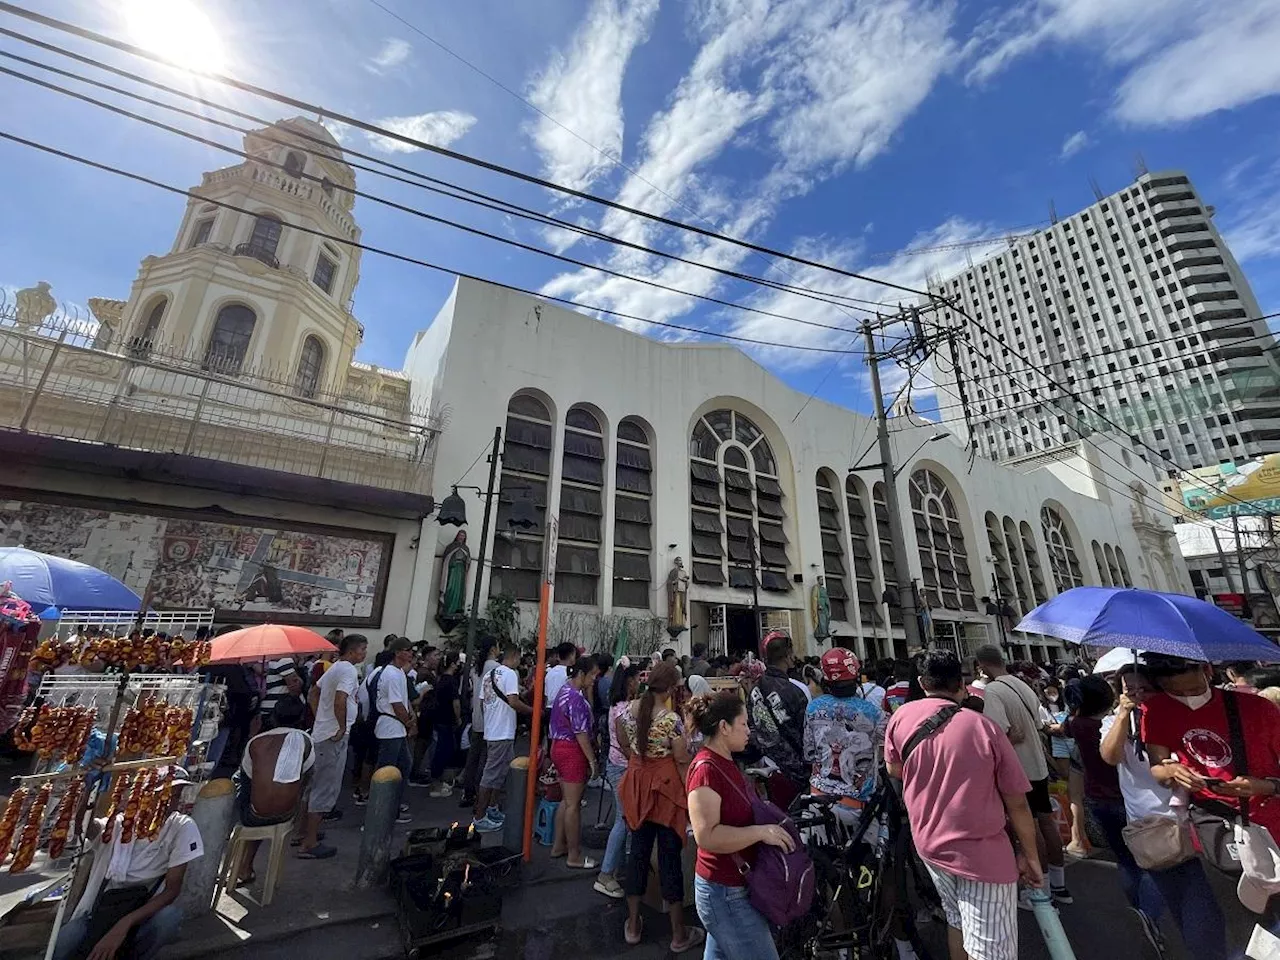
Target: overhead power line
x,y
421,180
368,248
411,210
308,107
1121,492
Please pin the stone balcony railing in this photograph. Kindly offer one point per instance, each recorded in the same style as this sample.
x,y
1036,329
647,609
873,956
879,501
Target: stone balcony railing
x,y
67,381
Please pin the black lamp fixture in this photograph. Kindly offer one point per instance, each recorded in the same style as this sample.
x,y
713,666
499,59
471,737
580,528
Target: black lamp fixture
x,y
453,510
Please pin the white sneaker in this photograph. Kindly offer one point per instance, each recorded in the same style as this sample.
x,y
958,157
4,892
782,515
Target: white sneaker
x,y
444,790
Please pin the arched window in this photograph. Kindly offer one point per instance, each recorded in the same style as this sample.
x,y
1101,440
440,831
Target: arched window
x,y
1032,553
888,558
1000,555
264,239
833,544
740,532
1062,553
310,366
581,508
1021,581
633,517
526,466
1124,568
140,346
294,164
1101,564
1113,568
944,564
232,331
866,583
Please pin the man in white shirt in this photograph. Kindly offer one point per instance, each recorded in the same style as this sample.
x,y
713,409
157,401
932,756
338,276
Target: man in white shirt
x,y
122,912
500,694
1014,707
389,693
477,752
557,676
333,702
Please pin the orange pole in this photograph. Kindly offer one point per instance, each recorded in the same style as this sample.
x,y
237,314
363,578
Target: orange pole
x,y
539,676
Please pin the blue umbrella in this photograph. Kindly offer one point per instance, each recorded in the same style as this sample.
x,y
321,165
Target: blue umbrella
x,y
1168,623
44,580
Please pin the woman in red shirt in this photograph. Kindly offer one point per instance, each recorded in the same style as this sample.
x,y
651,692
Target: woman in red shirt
x,y
720,811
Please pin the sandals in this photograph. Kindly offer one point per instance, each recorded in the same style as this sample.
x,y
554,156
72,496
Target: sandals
x,y
639,934
586,864
318,852
693,937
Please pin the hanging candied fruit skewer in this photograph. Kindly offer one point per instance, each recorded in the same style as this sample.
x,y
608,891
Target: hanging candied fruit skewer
x,y
30,838
119,790
9,819
62,826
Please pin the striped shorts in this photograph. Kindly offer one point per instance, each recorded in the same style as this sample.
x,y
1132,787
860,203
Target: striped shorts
x,y
985,913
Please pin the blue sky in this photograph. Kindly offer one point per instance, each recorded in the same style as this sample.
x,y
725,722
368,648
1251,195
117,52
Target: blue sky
x,y
849,130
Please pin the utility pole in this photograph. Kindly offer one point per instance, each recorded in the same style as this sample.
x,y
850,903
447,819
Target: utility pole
x,y
1222,559
906,597
489,496
1245,612
755,586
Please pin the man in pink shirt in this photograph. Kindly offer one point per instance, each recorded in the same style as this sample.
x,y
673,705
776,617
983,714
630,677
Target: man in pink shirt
x,y
962,783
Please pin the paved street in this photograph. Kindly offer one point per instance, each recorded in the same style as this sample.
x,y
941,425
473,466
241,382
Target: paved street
x,y
555,913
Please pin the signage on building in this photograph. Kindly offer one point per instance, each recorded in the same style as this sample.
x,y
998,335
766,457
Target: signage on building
x,y
1252,489
1233,603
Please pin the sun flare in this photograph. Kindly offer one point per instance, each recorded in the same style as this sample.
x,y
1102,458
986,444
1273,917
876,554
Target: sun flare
x,y
178,30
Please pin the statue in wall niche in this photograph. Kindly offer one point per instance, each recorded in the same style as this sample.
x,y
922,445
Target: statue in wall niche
x,y
677,599
454,564
820,609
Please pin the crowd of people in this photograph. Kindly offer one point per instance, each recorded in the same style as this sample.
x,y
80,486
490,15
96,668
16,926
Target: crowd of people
x,y
990,760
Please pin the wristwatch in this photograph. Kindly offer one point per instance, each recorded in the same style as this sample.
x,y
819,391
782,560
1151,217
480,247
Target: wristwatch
x,y
1275,785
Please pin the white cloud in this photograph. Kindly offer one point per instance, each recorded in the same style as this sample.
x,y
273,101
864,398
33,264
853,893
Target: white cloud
x,y
439,128
339,130
1073,145
582,91
1191,59
1252,211
839,78
392,54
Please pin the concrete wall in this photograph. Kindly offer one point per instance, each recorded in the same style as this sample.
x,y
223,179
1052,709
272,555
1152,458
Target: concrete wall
x,y
500,343
39,483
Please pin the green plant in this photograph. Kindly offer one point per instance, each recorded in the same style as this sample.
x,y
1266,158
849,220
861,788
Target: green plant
x,y
503,615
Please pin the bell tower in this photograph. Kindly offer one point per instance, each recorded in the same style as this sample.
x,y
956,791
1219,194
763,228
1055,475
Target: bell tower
x,y
259,279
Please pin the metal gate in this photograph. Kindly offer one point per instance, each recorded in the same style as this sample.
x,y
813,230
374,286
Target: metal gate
x,y
717,645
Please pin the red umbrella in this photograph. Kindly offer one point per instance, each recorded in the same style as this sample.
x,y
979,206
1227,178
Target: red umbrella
x,y
267,641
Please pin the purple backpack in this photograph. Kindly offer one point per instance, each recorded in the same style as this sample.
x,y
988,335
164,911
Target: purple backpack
x,y
780,885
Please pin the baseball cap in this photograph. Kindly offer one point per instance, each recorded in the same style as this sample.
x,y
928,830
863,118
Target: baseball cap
x,y
1260,860
840,664
178,777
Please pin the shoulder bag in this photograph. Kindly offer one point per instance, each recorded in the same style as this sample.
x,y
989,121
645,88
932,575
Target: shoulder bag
x,y
780,885
928,729
1213,821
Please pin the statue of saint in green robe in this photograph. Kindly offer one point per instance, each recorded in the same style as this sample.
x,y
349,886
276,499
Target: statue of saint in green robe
x,y
453,577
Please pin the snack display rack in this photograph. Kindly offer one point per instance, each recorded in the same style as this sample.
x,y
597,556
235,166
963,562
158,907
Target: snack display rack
x,y
142,720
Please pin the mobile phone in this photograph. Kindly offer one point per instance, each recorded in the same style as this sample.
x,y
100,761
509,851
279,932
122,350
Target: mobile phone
x,y
1213,781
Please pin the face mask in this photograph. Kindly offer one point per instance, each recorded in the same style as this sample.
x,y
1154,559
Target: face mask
x,y
1197,701
1052,698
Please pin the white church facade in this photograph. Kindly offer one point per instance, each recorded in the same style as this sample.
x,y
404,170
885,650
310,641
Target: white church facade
x,y
213,441
646,452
